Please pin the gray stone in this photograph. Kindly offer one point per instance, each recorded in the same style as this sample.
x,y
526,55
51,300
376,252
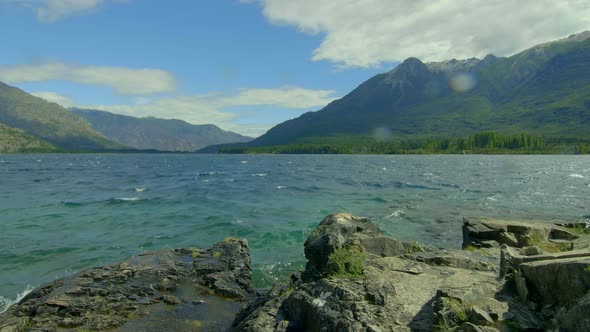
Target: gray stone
x,y
576,315
557,281
136,293
533,251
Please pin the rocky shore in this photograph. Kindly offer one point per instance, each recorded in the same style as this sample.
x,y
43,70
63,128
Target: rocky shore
x,y
510,276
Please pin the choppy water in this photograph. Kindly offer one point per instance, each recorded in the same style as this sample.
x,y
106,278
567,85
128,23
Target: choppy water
x,y
63,213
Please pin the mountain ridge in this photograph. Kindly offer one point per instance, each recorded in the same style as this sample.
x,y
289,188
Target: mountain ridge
x,y
49,122
156,133
539,90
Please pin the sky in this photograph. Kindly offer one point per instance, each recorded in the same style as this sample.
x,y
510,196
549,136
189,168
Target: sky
x,y
247,65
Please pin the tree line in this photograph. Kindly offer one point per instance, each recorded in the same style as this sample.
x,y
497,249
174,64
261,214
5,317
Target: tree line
x,y
489,142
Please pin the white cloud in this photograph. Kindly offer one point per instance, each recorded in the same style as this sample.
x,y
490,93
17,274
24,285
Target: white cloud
x,y
365,33
53,97
215,108
55,10
125,81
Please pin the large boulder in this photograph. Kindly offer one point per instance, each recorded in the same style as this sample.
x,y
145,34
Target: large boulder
x,y
342,230
182,290
393,289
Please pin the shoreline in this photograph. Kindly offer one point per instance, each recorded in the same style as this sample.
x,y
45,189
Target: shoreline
x,y
346,255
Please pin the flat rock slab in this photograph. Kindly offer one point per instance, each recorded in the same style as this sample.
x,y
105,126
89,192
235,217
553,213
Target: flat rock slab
x,y
167,290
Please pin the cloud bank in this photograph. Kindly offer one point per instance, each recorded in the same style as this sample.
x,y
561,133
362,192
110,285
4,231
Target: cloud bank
x,y
366,33
124,81
55,10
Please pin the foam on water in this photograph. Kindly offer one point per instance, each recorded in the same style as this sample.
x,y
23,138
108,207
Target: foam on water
x,y
396,213
577,176
6,303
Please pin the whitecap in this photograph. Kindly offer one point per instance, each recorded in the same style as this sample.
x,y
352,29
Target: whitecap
x,y
578,176
259,174
281,187
244,161
396,213
6,303
492,199
139,190
128,199
158,237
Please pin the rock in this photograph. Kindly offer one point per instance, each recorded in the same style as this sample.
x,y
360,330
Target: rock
x,y
342,230
395,292
557,281
533,251
575,316
139,291
484,232
469,327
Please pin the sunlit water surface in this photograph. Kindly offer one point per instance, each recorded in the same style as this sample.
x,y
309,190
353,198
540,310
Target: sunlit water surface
x,y
63,213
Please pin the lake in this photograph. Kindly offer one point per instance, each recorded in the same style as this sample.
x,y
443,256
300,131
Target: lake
x,y
63,213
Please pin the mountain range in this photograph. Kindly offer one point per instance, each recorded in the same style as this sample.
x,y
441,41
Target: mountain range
x,y
48,123
158,134
32,124
544,90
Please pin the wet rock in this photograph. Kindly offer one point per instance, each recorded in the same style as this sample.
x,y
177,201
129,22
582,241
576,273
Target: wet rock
x,y
140,289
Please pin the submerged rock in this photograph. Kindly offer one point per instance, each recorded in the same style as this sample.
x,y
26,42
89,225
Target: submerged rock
x,y
167,290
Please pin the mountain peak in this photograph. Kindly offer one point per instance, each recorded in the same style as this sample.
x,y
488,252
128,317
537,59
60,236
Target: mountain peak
x,y
411,67
453,65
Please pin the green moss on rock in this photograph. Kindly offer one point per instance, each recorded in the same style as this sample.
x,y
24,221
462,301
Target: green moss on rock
x,y
346,262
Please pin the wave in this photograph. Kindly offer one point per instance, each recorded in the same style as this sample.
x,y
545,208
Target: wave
x,y
122,200
577,176
259,174
6,303
139,189
399,184
396,213
72,204
209,173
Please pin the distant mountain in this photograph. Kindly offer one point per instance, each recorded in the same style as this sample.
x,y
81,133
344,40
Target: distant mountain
x,y
159,134
544,90
16,140
47,121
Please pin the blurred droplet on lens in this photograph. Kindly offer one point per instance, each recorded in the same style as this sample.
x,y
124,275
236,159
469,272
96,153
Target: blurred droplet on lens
x,y
462,82
382,134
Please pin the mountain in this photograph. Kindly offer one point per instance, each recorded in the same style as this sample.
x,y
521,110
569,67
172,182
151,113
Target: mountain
x,y
544,90
48,122
159,134
16,140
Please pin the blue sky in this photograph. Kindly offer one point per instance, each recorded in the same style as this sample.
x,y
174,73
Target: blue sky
x,y
247,65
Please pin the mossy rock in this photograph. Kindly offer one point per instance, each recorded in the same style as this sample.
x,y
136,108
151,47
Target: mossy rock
x,y
346,262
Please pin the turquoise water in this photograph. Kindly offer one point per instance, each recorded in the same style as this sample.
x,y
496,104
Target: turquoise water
x,y
63,213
